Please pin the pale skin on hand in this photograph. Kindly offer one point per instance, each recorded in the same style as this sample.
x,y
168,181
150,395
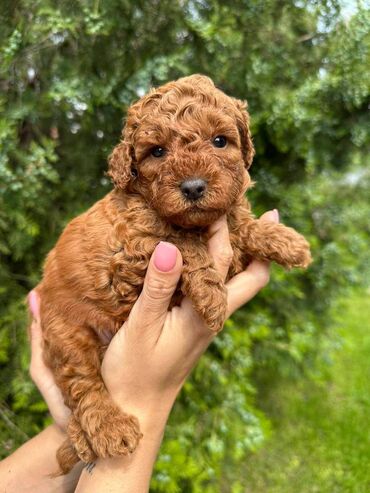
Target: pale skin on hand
x,y
170,343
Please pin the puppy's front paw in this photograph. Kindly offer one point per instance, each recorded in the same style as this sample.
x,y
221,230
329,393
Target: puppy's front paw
x,y
299,254
214,316
208,295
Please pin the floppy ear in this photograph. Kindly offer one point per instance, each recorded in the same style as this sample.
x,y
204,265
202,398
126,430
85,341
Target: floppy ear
x,y
242,120
120,162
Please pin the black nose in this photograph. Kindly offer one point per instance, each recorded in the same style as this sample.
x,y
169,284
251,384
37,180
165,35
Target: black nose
x,y
193,189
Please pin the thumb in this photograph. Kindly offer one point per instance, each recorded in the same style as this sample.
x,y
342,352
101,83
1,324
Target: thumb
x,y
160,283
272,216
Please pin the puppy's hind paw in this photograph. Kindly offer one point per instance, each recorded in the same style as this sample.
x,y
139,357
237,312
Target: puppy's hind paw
x,y
117,434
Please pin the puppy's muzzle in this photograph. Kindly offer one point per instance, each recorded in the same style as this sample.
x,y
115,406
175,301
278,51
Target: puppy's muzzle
x,y
193,189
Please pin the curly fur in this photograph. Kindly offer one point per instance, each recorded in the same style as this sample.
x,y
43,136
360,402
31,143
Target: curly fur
x,y
95,273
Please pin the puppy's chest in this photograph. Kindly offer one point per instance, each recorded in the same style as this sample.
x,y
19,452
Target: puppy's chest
x,y
131,246
118,272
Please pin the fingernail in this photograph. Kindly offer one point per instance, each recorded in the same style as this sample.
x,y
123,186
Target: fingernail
x,y
165,255
33,304
276,214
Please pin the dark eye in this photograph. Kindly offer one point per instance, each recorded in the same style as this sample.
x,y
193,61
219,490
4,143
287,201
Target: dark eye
x,y
158,151
220,141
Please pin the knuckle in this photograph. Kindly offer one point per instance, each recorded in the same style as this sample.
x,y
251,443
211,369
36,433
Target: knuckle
x,y
226,255
263,278
33,371
158,289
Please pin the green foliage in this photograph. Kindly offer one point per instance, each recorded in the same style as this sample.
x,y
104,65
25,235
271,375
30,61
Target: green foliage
x,y
322,440
68,72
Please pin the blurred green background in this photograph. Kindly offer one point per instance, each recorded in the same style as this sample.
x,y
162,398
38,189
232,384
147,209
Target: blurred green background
x,y
280,403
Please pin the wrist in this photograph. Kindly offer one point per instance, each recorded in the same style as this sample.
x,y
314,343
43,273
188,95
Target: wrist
x,y
152,425
152,413
130,472
153,419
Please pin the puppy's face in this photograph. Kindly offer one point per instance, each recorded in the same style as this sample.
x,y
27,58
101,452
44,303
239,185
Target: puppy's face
x,y
188,147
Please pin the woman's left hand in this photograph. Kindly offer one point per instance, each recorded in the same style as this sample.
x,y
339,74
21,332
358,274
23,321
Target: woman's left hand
x,y
40,373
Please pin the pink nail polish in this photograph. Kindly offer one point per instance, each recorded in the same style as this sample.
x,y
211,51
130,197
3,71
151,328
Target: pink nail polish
x,y
33,303
165,256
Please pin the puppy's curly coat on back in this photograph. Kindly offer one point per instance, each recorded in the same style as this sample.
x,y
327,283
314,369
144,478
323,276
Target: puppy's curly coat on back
x,y
181,164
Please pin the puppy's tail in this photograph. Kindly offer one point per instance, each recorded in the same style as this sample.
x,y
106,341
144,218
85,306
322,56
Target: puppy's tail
x,y
67,458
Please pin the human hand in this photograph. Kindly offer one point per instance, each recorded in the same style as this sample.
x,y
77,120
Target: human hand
x,y
40,373
152,354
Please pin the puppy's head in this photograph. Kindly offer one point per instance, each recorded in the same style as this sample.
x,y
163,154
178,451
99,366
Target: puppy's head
x,y
186,148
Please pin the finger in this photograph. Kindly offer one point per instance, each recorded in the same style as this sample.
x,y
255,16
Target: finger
x,y
36,339
34,304
272,216
244,286
35,329
219,246
160,283
37,365
40,373
44,379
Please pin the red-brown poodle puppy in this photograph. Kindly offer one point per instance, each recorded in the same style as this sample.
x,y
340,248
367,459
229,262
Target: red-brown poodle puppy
x,y
182,163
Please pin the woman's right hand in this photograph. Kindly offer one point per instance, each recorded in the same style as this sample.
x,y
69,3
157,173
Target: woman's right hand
x,y
150,357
